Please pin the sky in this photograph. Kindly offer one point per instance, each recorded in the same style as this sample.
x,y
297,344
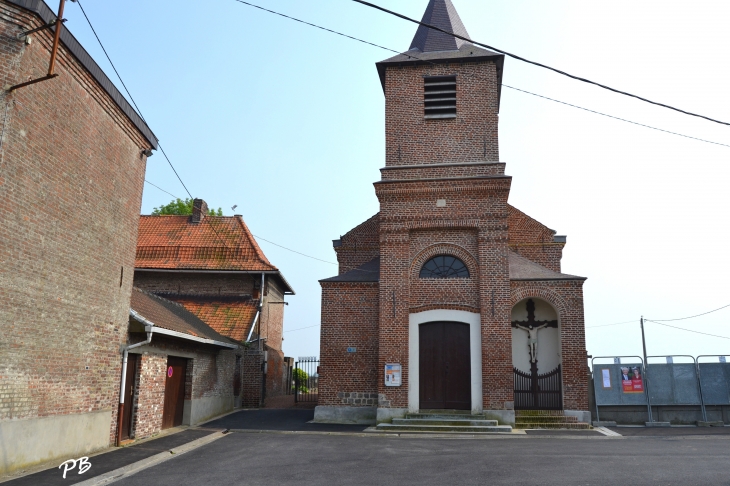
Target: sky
x,y
287,122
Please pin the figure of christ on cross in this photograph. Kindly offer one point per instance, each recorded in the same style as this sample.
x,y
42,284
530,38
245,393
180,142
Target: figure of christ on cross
x,y
532,326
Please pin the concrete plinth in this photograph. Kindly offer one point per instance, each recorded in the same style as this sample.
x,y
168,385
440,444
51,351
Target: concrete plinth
x,y
701,423
604,423
344,415
658,424
504,417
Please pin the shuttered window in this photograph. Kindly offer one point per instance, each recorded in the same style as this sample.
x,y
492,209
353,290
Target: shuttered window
x,y
439,97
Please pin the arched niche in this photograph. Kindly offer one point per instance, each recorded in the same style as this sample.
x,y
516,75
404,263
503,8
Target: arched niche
x,y
546,328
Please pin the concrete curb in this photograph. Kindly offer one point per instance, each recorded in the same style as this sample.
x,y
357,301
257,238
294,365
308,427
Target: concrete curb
x,y
424,435
126,471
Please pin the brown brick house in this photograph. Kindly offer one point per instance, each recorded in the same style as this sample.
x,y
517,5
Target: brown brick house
x,y
180,372
213,266
72,164
448,298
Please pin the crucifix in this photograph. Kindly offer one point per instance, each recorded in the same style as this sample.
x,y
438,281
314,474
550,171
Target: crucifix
x,y
532,326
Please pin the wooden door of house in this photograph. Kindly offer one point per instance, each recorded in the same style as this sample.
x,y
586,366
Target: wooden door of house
x,y
172,413
129,385
444,366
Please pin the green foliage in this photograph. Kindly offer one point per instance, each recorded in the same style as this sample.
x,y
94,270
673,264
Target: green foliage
x,y
302,378
182,207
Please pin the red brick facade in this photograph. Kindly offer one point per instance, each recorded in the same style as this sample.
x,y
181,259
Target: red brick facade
x,y
442,192
71,179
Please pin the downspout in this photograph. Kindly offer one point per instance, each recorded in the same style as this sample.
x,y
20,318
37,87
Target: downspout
x,y
148,329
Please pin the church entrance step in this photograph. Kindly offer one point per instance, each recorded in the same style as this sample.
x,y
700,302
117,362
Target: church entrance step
x,y
444,428
445,416
445,421
547,419
565,425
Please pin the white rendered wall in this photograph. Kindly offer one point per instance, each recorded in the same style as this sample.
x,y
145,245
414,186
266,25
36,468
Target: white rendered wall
x,y
475,351
548,339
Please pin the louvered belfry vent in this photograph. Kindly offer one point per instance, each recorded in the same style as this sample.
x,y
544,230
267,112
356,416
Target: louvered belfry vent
x,y
439,96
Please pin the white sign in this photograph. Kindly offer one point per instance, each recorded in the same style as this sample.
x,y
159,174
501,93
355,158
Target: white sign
x,y
393,374
606,377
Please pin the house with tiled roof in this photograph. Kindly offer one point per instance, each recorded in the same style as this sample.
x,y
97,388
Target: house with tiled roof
x,y
179,371
214,268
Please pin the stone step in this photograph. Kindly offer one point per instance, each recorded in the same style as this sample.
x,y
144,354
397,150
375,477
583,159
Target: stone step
x,y
536,413
444,411
445,416
445,421
445,428
554,425
546,419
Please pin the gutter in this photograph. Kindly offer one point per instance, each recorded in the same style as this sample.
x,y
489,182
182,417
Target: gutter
x,y
276,273
148,329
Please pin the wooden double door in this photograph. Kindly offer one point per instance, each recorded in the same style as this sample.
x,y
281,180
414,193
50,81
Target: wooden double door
x,y
172,413
444,366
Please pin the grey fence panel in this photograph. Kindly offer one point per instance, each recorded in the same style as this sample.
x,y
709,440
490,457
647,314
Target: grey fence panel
x,y
715,378
673,384
615,394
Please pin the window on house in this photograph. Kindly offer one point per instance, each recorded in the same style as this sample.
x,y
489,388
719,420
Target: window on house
x,y
439,97
444,266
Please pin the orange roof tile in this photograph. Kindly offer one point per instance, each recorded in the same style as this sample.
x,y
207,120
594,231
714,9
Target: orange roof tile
x,y
230,317
216,243
171,315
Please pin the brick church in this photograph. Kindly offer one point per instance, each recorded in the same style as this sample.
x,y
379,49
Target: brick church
x,y
448,297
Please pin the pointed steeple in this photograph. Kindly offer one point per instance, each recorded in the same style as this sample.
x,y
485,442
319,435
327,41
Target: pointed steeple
x,y
441,14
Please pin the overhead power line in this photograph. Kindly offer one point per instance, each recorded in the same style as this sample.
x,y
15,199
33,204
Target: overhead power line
x,y
614,324
691,317
519,58
615,117
410,55
688,330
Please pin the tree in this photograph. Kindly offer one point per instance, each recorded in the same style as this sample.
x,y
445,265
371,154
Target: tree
x,y
302,379
182,207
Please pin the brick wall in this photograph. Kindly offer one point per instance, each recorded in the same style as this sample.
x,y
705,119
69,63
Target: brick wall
x,y
359,245
209,374
71,179
471,137
169,284
149,397
533,240
349,319
251,376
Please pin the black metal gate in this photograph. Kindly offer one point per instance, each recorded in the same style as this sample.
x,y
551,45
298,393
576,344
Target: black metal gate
x,y
306,380
538,392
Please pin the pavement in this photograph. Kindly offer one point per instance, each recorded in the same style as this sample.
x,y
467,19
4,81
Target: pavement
x,y
281,447
117,458
297,459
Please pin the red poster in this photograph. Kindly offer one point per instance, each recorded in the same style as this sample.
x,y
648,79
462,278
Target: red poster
x,y
632,380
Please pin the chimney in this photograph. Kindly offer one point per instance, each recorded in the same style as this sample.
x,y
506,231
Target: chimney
x,y
200,210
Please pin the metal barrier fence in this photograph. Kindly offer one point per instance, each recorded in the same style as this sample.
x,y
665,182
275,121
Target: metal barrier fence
x,y
629,381
306,380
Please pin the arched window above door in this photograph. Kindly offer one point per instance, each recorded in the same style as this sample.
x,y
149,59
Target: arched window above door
x,y
444,266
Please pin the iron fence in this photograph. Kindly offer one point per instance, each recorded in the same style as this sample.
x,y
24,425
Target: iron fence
x,y
306,380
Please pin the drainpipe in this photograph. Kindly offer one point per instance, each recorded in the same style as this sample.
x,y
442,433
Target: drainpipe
x,y
148,329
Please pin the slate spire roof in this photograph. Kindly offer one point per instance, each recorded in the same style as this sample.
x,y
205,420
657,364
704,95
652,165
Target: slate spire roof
x,y
441,14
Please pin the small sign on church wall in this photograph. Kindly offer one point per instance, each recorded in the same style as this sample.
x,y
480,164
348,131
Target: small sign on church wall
x,y
393,374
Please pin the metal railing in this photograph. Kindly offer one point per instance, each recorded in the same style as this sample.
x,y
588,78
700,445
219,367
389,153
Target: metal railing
x,y
306,380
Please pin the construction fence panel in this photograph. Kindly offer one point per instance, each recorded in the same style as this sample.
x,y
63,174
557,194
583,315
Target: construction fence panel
x,y
715,380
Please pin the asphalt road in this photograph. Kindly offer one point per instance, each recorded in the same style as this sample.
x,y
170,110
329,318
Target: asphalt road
x,y
300,459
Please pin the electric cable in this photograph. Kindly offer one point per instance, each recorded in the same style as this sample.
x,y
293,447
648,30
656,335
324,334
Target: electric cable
x,y
614,324
688,330
692,317
302,328
519,58
411,56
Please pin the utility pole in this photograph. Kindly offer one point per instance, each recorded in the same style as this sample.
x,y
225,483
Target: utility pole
x,y
646,376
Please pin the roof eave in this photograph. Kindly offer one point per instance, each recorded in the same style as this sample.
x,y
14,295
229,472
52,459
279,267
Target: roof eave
x,y
554,279
155,329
